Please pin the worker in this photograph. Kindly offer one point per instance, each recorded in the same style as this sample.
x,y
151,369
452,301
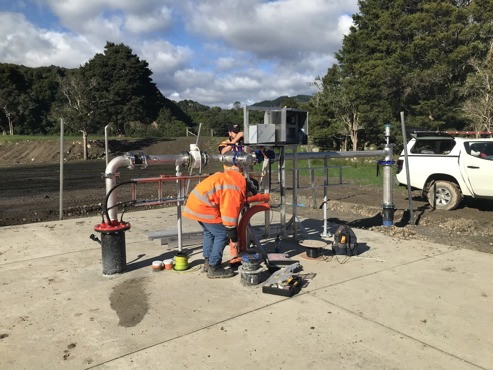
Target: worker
x,y
216,203
234,143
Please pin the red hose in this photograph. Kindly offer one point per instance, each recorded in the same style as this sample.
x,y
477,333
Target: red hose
x,y
243,224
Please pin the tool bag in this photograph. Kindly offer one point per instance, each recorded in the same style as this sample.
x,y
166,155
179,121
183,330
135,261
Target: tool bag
x,y
345,241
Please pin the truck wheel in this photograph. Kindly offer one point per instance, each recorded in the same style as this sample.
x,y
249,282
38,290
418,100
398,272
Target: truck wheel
x,y
448,195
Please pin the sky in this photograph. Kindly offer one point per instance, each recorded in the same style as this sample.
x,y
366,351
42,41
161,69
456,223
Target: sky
x,y
214,52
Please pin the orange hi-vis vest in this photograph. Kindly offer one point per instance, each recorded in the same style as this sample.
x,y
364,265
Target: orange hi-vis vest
x,y
217,199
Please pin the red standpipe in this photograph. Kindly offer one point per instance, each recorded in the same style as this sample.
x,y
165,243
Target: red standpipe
x,y
244,221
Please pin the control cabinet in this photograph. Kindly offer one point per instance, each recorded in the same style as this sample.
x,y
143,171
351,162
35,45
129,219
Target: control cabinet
x,y
280,126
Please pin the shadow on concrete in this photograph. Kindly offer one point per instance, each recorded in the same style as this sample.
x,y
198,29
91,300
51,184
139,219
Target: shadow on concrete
x,y
139,263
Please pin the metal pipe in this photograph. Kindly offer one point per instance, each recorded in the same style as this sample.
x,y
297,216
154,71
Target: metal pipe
x,y
178,208
322,155
387,201
130,160
110,181
240,159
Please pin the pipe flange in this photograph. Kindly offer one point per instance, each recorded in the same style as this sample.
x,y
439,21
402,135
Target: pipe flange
x,y
112,226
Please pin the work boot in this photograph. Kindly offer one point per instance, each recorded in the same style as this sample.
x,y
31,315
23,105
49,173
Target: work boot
x,y
218,272
206,266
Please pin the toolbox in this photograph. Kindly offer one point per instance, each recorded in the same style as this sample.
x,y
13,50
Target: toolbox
x,y
286,288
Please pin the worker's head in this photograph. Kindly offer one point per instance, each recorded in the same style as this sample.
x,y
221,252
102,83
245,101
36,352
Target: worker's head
x,y
233,129
251,187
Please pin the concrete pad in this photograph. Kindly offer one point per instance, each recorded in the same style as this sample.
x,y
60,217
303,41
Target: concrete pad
x,y
398,304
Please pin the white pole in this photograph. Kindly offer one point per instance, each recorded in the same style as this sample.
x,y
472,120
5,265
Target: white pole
x,y
61,168
106,128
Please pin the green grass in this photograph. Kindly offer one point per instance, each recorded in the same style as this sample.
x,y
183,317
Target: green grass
x,y
19,138
360,171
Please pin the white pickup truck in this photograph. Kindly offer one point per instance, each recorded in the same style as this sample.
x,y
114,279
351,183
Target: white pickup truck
x,y
448,168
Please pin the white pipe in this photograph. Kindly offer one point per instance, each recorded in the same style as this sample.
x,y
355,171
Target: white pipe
x,y
110,181
130,161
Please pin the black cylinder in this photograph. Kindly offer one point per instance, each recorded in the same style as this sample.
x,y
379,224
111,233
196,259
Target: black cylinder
x,y
113,252
312,252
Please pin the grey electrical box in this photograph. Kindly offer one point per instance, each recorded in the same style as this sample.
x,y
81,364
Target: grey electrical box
x,y
281,126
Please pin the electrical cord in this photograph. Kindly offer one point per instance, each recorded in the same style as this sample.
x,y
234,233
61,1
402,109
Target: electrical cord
x,y
105,206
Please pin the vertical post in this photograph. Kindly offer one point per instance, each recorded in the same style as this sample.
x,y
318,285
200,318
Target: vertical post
x,y
283,190
325,234
179,191
106,128
312,185
61,168
295,191
406,162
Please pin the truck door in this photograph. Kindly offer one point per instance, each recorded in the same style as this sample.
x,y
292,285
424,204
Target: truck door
x,y
477,164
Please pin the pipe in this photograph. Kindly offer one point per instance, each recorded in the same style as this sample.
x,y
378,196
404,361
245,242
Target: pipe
x,y
387,201
322,155
240,159
110,181
130,160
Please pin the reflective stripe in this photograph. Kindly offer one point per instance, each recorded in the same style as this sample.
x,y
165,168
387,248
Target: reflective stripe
x,y
201,215
203,198
229,219
221,187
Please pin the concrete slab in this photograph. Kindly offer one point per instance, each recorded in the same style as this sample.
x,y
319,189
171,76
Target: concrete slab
x,y
398,304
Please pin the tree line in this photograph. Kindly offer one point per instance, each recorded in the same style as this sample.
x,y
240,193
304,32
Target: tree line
x,y
431,59
113,88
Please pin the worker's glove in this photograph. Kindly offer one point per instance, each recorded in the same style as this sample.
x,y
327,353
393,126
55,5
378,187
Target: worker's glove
x,y
259,198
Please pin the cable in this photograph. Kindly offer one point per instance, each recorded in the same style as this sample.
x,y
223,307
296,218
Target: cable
x,y
105,208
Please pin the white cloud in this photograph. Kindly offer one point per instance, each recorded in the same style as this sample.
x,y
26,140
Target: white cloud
x,y
23,43
211,51
160,19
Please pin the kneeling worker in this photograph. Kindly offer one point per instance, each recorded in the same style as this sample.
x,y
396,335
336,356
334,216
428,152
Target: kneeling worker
x,y
216,203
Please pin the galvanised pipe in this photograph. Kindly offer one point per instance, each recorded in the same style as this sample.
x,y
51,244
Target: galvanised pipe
x,y
322,155
240,159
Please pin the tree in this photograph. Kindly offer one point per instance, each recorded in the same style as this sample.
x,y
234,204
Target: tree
x,y
81,103
478,107
14,97
335,100
412,56
125,90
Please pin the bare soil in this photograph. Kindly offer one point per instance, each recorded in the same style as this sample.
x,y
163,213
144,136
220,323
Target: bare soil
x,y
30,192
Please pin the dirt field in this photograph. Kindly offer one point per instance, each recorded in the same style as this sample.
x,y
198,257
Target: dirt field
x,y
30,192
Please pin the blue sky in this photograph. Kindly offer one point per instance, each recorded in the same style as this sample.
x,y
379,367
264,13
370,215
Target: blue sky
x,y
214,52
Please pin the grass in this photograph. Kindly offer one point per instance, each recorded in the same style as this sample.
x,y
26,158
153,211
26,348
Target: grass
x,y
357,171
20,138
